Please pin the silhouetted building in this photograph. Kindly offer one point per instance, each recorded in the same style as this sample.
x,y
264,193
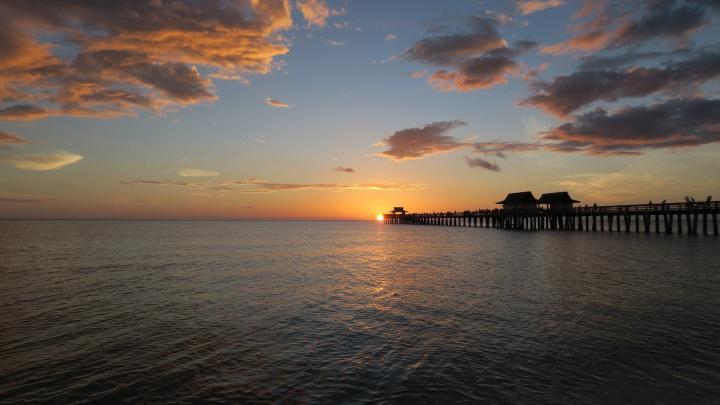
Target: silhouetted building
x,y
398,210
523,202
558,202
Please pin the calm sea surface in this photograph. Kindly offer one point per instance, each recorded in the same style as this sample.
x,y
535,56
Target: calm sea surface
x,y
316,312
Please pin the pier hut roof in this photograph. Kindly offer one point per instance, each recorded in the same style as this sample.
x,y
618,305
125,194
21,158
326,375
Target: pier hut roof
x,y
559,197
521,197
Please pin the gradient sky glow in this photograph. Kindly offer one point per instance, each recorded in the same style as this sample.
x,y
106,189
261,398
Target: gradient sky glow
x,y
343,109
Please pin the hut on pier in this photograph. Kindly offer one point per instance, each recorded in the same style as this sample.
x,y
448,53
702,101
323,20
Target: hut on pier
x,y
398,211
521,203
557,202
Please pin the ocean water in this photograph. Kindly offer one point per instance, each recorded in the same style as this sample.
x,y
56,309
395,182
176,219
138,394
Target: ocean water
x,y
351,312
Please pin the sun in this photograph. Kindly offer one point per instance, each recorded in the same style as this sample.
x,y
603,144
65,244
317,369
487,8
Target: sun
x,y
379,217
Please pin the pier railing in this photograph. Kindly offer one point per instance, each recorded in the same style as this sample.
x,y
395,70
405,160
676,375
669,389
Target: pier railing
x,y
669,218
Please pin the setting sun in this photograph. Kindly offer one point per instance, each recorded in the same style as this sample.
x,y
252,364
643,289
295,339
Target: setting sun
x,y
379,217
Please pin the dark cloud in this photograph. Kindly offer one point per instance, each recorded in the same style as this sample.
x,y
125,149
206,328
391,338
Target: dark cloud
x,y
178,81
23,112
344,169
664,19
474,60
130,56
415,143
616,24
481,72
482,164
602,62
671,124
565,94
456,48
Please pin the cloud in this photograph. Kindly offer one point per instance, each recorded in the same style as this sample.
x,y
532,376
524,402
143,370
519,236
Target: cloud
x,y
482,164
341,169
500,148
565,94
391,37
480,72
276,103
119,58
589,41
315,12
533,6
602,62
14,200
533,73
262,186
415,143
663,20
418,74
612,24
188,172
24,112
40,161
631,130
455,48
7,138
474,60
334,43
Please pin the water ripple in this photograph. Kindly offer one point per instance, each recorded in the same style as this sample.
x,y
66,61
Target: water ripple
x,y
244,312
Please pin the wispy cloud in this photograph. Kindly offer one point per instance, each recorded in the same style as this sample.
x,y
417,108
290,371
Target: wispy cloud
x,y
40,161
7,138
334,43
189,172
263,186
341,25
344,169
24,200
533,6
482,163
390,37
276,103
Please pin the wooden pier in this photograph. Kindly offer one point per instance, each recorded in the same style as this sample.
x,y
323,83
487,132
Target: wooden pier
x,y
691,218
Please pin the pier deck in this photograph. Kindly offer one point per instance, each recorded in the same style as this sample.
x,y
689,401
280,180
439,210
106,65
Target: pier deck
x,y
669,218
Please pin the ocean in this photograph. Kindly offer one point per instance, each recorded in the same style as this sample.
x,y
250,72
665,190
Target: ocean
x,y
354,312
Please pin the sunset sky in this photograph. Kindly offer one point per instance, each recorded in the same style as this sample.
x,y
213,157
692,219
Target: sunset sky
x,y
342,109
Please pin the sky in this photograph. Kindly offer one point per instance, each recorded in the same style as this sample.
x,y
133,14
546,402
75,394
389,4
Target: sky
x,y
313,109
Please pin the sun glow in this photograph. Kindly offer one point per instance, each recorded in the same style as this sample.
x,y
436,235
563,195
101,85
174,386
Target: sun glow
x,y
379,217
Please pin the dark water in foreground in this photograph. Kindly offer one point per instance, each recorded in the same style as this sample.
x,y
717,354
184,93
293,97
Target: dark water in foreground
x,y
354,312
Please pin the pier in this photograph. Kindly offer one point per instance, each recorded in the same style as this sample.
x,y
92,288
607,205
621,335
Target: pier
x,y
521,211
